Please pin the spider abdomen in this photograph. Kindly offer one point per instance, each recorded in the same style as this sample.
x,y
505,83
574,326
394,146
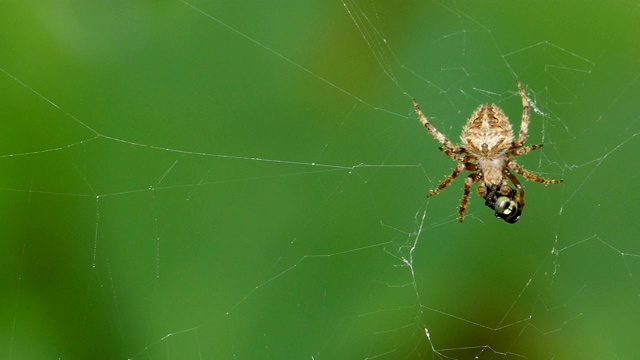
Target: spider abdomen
x,y
488,131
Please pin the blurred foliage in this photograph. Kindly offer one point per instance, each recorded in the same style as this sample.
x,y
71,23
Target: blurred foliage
x,y
241,180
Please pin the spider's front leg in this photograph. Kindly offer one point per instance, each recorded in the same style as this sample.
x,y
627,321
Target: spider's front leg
x,y
436,134
449,179
529,175
475,177
519,196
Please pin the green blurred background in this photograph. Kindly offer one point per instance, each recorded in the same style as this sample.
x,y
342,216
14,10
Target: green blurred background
x,y
241,180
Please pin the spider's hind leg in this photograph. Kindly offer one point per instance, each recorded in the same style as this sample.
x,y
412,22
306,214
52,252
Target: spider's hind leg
x,y
461,156
435,132
517,151
524,123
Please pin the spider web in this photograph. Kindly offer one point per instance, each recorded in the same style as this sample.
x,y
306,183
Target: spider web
x,y
193,180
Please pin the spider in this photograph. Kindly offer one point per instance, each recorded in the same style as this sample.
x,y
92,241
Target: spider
x,y
487,151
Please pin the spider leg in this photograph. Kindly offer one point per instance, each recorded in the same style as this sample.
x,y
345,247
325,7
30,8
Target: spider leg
x,y
457,157
523,150
529,175
475,177
449,179
524,124
519,198
436,134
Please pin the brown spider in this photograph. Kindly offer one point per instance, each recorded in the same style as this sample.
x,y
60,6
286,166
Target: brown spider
x,y
487,150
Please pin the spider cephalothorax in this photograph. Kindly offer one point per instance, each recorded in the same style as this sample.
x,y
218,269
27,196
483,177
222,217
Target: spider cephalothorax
x,y
487,151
